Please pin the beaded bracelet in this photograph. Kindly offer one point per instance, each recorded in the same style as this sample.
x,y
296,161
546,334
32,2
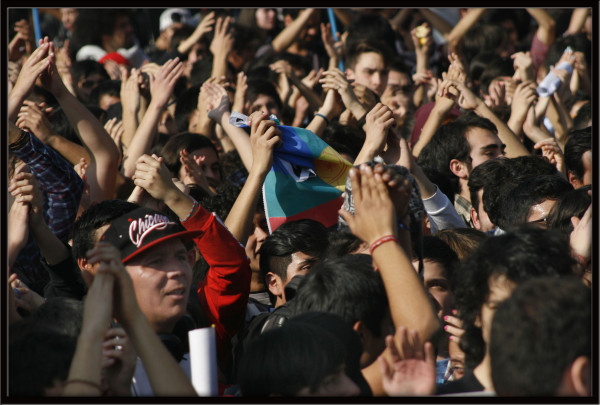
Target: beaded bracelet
x,y
381,241
191,211
322,116
86,382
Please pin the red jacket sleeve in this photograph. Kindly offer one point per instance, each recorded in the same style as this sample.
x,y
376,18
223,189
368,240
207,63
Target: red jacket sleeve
x,y
224,292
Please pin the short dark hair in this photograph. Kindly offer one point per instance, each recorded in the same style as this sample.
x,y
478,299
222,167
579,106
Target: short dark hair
x,y
486,173
450,142
37,360
516,205
170,152
572,204
438,251
85,68
103,213
524,253
537,334
284,360
256,87
515,170
187,102
372,28
342,242
583,117
579,142
107,87
305,235
58,314
354,50
346,286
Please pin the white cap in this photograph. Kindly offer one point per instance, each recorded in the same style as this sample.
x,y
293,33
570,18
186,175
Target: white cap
x,y
175,15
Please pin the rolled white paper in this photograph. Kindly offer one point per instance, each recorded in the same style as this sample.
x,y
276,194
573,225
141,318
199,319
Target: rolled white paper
x,y
203,361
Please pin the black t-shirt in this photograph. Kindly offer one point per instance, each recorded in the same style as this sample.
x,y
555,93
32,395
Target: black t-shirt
x,y
469,383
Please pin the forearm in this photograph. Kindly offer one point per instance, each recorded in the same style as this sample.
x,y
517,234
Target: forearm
x,y
52,249
290,33
143,139
426,187
436,21
69,150
436,116
239,220
318,124
463,26
545,32
130,125
516,120
86,365
313,98
409,303
577,21
219,67
15,101
514,147
240,139
565,122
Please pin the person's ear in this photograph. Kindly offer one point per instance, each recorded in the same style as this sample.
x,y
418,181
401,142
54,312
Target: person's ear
x,y
579,374
274,284
87,270
475,219
459,169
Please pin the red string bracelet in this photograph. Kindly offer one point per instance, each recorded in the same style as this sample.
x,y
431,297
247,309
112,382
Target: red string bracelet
x,y
381,241
581,260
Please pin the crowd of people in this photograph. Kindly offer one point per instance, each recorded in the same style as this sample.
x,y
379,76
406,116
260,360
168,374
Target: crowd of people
x,y
141,143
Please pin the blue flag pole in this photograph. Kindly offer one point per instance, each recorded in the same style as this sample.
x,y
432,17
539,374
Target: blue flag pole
x,y
334,32
36,25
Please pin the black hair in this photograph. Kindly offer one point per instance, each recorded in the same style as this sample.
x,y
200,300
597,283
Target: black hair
x,y
107,87
537,334
584,116
103,213
487,172
371,27
524,253
37,360
577,42
498,67
342,242
284,360
578,142
477,66
463,241
482,37
201,71
221,203
92,24
344,138
58,314
186,140
187,102
516,206
305,235
515,170
85,68
256,87
438,251
450,142
346,286
572,204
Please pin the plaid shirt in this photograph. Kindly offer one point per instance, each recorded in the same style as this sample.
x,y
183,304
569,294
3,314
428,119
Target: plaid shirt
x,y
463,207
62,188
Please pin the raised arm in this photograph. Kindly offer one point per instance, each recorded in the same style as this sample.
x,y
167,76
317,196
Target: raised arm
x,y
375,223
463,26
264,138
104,154
221,46
205,26
290,33
546,25
161,88
379,120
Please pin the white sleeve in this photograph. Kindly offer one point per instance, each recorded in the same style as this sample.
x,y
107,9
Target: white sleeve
x,y
441,212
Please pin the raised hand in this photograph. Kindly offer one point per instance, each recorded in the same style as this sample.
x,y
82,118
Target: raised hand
x,y
399,188
412,370
422,38
222,42
32,117
27,299
552,152
240,93
163,83
454,326
264,137
335,79
130,91
523,65
153,176
374,211
22,43
465,98
115,129
333,47
26,189
217,100
118,365
379,120
193,172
